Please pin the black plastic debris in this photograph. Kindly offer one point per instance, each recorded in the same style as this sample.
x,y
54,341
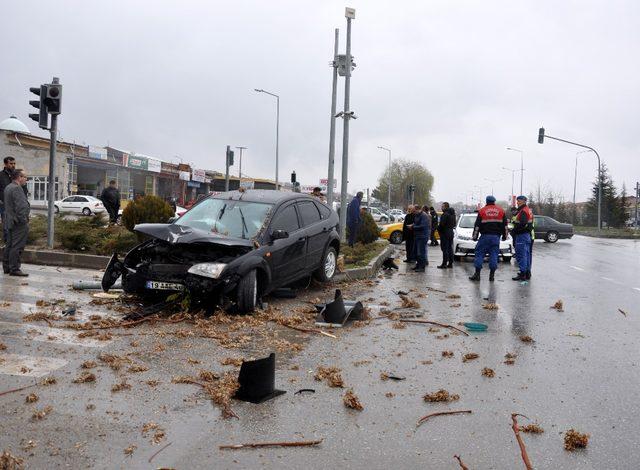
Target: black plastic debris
x,y
302,390
389,264
69,311
335,314
258,380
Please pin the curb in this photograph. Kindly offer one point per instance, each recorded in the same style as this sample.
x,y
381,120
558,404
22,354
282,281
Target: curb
x,y
370,270
61,258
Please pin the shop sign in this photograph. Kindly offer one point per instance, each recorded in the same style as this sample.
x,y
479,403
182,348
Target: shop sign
x,y
198,175
99,153
154,165
184,175
138,163
193,184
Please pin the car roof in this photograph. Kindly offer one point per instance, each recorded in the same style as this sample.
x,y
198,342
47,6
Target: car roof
x,y
269,196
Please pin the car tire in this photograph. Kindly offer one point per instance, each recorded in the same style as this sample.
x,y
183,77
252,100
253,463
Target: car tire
x,y
396,237
56,209
383,220
328,267
86,211
247,293
506,259
551,237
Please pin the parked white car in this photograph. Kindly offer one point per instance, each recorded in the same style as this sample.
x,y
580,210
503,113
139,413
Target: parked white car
x,y
397,214
379,216
86,205
464,245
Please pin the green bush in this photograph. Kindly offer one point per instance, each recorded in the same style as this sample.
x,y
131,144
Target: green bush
x,y
37,229
368,231
146,210
118,240
78,238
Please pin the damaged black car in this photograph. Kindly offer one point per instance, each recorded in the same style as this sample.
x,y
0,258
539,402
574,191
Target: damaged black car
x,y
231,249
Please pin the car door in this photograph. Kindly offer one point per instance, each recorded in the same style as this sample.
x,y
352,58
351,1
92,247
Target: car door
x,y
66,205
80,203
539,226
287,254
316,232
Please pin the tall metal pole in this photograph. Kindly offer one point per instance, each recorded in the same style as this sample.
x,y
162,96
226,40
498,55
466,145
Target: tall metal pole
x,y
521,166
52,182
637,197
277,138
240,169
388,176
345,134
332,128
226,174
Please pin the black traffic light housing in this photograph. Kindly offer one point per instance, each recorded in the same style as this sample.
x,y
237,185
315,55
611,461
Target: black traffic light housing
x,y
229,157
293,177
41,117
541,135
53,98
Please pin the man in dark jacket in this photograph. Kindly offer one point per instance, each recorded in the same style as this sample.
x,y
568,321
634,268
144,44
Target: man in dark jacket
x,y
111,199
16,219
445,229
407,234
353,217
434,225
5,180
490,226
421,229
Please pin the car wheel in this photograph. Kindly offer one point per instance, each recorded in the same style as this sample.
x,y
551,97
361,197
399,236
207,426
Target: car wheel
x,y
328,267
56,209
86,211
552,237
383,220
396,237
247,293
506,259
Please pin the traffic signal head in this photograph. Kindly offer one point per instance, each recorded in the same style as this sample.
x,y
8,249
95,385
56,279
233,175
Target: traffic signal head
x,y
41,117
53,98
541,135
293,177
229,157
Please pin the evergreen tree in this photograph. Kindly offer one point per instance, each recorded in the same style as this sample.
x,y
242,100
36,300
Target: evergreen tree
x,y
562,212
610,202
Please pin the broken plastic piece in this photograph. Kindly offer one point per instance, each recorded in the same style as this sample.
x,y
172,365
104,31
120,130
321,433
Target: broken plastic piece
x,y
475,326
258,380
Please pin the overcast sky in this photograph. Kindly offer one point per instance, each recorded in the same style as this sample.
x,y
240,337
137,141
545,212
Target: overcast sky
x,y
448,83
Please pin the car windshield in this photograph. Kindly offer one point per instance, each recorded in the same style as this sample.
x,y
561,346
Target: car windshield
x,y
238,219
467,221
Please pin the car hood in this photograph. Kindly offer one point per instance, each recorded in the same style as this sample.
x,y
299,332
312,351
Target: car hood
x,y
173,233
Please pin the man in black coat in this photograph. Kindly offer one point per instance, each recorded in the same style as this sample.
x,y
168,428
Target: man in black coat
x,y
445,229
111,199
407,234
434,225
5,180
16,219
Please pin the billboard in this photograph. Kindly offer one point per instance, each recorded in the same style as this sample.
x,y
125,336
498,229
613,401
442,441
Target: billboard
x,y
154,165
99,153
198,175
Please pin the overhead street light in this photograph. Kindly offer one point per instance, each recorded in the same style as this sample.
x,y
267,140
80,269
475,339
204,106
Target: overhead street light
x,y
260,90
513,172
521,164
541,137
389,176
492,181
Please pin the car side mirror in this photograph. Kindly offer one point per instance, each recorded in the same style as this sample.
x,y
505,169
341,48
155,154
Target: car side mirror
x,y
279,234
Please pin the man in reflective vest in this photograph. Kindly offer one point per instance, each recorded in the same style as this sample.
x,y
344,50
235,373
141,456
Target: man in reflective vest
x,y
491,225
521,232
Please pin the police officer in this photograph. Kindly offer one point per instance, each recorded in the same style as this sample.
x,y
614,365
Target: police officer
x,y
491,224
521,232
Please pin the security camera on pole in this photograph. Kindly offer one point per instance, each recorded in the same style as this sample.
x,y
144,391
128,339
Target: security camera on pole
x,y
50,102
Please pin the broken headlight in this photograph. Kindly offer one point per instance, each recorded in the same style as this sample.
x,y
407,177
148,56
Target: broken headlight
x,y
212,270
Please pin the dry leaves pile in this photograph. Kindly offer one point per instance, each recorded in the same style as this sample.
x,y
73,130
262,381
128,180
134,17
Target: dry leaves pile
x,y
488,372
9,461
575,440
470,357
42,414
526,339
89,364
219,389
532,429
408,302
559,306
113,360
440,396
352,401
129,450
491,306
447,353
31,398
84,377
331,375
122,385
231,361
158,432
3,346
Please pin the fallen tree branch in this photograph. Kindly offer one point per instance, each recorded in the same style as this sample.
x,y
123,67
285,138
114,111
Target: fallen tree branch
x,y
158,451
443,325
523,449
433,289
272,444
622,312
424,418
462,465
309,330
7,392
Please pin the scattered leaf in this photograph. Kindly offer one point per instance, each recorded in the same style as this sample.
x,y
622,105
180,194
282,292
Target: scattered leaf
x,y
488,372
575,440
470,357
440,396
352,401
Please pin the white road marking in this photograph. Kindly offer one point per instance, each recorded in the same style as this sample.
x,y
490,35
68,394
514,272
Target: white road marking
x,y
29,366
577,268
46,334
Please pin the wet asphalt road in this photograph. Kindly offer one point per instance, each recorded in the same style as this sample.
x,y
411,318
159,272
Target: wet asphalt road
x,y
581,372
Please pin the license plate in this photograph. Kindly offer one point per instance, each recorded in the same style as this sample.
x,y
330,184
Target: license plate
x,y
156,285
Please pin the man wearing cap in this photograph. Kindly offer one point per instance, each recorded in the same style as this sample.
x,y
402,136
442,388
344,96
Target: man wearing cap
x,y
491,224
521,232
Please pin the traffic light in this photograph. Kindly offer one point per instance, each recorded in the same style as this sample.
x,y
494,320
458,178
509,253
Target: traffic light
x,y
42,118
541,135
293,178
53,98
229,157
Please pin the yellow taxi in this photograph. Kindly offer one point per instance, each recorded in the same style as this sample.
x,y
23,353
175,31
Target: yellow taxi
x,y
393,232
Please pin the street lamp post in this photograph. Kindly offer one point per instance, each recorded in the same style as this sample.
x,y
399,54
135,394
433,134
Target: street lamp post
x,y
513,172
575,183
240,165
541,137
521,165
388,176
277,128
493,182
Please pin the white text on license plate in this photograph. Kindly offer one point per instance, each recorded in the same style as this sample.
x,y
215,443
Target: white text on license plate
x,y
164,285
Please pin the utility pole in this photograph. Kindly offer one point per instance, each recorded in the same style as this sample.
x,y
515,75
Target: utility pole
x,y
332,128
240,164
228,163
521,166
52,183
637,197
350,14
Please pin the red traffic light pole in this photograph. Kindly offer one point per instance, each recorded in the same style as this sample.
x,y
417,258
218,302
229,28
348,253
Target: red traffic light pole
x,y
541,137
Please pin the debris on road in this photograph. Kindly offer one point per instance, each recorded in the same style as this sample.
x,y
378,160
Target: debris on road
x,y
122,385
453,296
470,357
619,310
331,375
440,413
408,302
384,376
303,390
487,372
272,444
31,398
447,353
396,325
84,377
231,361
129,450
526,339
510,359
575,440
48,381
159,450
158,434
532,429
460,462
19,389
3,346
137,368
42,414
443,325
113,360
441,395
89,364
351,400
523,449
475,326
559,306
491,306
9,461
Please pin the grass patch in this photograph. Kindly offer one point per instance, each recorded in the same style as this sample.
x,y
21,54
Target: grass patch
x,y
360,255
607,232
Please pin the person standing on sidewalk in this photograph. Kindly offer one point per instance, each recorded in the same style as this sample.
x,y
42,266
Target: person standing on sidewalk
x,y
5,180
445,229
421,230
407,233
17,221
434,225
491,224
521,233
111,199
353,217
